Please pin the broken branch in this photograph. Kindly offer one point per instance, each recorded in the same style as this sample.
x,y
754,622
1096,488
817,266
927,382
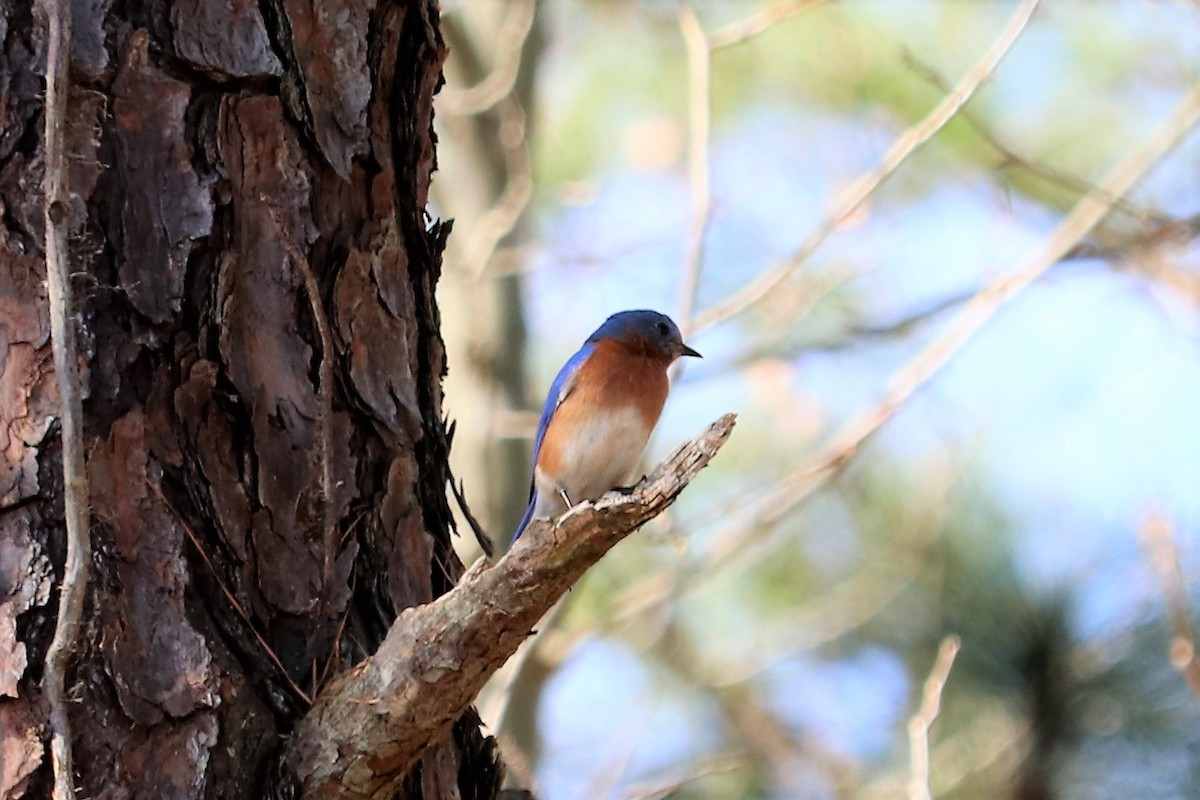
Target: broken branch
x,y
369,726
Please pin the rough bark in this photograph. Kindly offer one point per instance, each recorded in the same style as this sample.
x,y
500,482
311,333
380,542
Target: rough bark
x,y
266,449
371,724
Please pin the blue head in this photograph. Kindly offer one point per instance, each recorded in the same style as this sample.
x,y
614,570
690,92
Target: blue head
x,y
646,332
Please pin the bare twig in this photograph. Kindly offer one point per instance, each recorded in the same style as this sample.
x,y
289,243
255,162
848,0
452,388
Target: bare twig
x,y
76,511
1010,157
922,721
794,489
334,652
698,126
982,307
868,183
1141,251
1157,534
369,725
666,786
993,742
498,83
502,217
748,28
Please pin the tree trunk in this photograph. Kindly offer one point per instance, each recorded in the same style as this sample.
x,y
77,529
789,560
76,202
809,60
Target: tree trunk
x,y
262,361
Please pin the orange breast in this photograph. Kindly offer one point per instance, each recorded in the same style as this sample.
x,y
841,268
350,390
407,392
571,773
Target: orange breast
x,y
618,378
597,435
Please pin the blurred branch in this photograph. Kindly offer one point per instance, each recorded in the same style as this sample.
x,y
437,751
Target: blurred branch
x,y
698,129
668,786
1158,229
521,666
766,743
1131,246
1010,157
771,743
497,140
902,325
838,610
914,374
845,606
868,183
834,613
922,721
1157,269
1139,254
760,739
1157,535
516,762
503,215
370,725
993,739
621,753
57,218
852,335
748,28
498,83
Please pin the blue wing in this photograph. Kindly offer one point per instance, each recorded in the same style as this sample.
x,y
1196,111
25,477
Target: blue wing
x,y
563,383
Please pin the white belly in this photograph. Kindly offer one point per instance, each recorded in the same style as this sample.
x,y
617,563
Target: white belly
x,y
602,454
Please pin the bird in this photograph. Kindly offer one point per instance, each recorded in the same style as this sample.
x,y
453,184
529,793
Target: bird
x,y
600,411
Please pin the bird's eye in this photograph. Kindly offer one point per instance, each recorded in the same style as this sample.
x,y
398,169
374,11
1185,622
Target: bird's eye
x,y
663,330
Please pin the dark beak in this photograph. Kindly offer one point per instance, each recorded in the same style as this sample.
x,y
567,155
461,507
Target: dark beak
x,y
684,350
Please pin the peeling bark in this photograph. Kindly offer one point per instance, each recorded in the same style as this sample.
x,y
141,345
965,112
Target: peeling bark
x,y
251,180
164,208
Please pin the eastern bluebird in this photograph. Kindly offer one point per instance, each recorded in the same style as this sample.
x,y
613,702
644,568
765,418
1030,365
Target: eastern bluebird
x,y
600,411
